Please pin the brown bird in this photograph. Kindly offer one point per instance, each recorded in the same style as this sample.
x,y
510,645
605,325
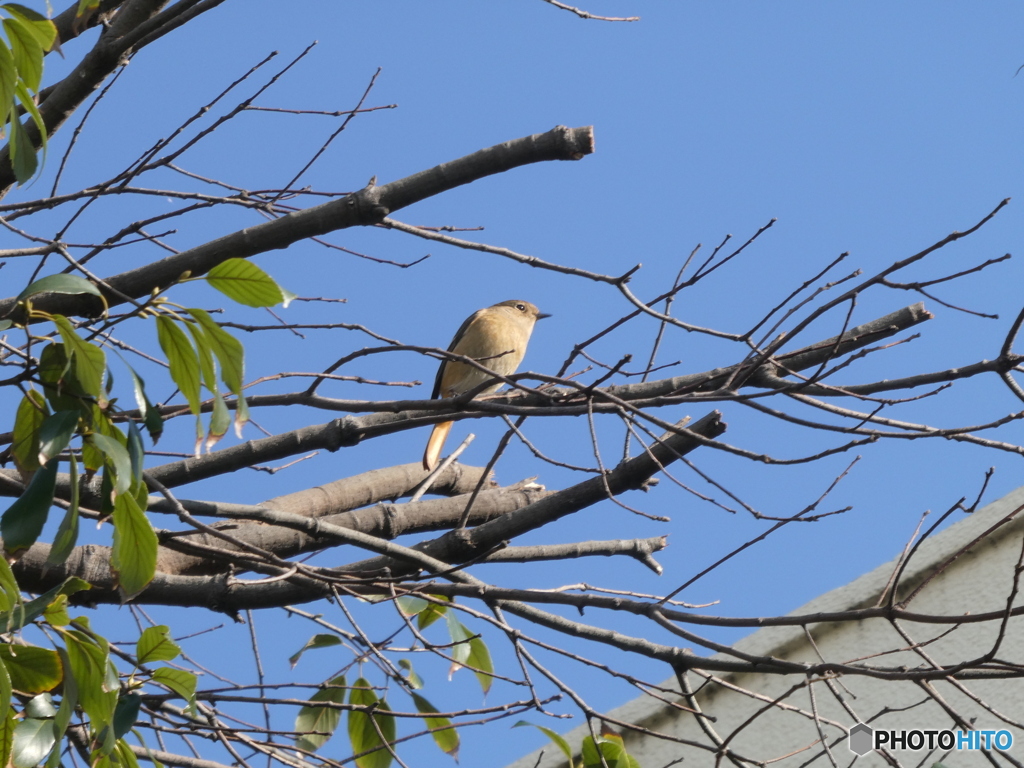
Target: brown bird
x,y
496,337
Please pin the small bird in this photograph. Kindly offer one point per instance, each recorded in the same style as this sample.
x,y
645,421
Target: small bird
x,y
496,337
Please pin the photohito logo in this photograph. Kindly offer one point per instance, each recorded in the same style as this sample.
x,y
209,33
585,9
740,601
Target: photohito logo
x,y
864,739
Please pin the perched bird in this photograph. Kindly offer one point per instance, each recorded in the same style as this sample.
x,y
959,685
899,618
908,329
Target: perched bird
x,y
496,337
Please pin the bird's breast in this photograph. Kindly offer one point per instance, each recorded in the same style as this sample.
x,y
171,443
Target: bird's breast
x,y
497,342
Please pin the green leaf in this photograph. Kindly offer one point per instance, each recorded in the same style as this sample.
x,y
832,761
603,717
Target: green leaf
x,y
181,682
32,669
23,521
97,690
55,433
8,601
37,25
10,594
141,495
626,760
414,680
28,420
8,724
182,359
33,740
126,713
40,706
471,651
220,421
150,756
155,644
363,727
103,746
133,557
106,491
556,739
460,638
125,755
230,355
27,56
319,723
410,606
68,703
611,748
151,418
117,458
37,607
56,613
28,53
8,79
82,623
62,391
28,103
447,738
100,755
59,284
7,721
243,281
316,641
23,154
588,751
184,364
6,691
433,611
88,363
207,369
480,660
221,418
67,533
136,453
94,458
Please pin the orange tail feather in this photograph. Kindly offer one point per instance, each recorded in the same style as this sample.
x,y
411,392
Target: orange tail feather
x,y
435,444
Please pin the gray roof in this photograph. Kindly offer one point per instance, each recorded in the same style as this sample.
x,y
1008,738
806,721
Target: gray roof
x,y
863,591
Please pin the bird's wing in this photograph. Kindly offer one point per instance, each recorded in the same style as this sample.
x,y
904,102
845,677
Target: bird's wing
x,y
451,348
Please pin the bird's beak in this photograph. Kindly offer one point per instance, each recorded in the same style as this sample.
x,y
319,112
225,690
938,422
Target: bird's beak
x,y
542,315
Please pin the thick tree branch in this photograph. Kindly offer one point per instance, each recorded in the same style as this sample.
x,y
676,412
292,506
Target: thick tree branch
x,y
365,207
92,563
385,521
461,545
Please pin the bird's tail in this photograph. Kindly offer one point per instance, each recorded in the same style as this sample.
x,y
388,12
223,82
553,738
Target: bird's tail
x,y
435,444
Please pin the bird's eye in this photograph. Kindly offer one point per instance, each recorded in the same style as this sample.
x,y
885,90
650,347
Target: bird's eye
x,y
521,307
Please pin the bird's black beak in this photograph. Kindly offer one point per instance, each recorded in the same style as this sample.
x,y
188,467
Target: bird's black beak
x,y
542,315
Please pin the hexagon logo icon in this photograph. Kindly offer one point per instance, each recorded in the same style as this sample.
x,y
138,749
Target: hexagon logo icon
x,y
861,738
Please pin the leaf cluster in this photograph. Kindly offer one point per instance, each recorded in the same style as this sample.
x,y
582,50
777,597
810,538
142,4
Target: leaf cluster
x,y
29,35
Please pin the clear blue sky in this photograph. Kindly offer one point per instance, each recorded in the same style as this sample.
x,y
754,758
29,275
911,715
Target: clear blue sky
x,y
875,128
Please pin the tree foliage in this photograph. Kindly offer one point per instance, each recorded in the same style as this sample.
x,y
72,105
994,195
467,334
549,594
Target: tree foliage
x,y
29,37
